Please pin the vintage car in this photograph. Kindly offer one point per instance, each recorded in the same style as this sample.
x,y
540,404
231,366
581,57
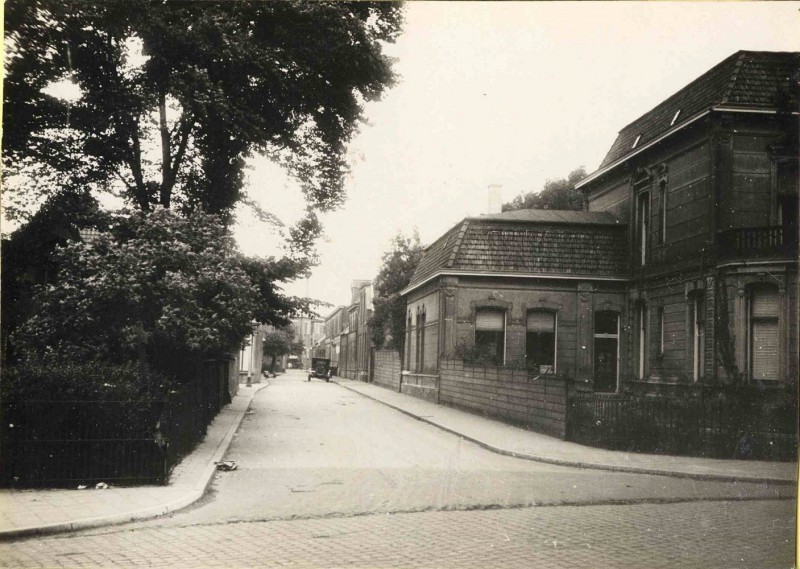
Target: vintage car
x,y
321,368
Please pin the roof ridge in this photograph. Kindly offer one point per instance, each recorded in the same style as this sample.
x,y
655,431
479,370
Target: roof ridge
x,y
457,246
734,77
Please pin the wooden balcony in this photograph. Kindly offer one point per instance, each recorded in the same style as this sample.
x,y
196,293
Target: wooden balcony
x,y
772,241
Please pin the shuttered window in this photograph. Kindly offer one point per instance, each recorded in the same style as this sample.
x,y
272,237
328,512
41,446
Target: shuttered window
x,y
540,344
541,321
764,334
490,334
492,320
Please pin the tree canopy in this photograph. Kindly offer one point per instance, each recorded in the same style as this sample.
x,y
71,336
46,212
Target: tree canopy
x,y
170,98
556,194
388,321
172,284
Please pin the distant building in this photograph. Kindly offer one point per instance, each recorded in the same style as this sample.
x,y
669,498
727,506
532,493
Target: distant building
x,y
310,331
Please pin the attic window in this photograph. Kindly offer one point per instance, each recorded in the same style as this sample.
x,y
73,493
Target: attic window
x,y
635,142
677,114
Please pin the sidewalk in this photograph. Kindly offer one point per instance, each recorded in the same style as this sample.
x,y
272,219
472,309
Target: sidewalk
x,y
521,443
36,512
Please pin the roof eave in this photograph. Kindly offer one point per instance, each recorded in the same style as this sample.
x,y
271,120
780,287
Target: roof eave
x,y
456,273
718,108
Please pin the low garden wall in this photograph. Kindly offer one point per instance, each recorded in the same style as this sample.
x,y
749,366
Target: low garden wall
x,y
515,395
386,371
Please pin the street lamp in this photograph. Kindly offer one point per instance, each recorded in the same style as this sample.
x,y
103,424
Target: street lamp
x,y
251,365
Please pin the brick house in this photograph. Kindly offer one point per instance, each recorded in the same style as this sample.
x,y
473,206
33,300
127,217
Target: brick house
x,y
521,287
681,272
707,181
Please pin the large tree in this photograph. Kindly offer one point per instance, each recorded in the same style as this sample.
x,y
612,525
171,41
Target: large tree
x,y
167,284
388,322
556,194
170,98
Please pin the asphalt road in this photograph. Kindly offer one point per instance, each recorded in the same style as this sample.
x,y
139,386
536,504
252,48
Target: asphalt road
x,y
327,477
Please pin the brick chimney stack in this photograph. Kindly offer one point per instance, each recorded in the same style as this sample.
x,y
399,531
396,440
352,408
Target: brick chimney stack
x,y
495,199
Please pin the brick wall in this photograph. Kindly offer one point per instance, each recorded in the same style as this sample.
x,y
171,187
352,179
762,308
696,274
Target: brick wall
x,y
387,369
512,395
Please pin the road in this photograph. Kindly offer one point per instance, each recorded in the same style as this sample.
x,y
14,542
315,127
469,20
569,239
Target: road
x,y
328,478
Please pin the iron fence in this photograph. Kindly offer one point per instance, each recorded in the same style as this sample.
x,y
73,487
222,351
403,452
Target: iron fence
x,y
68,443
703,426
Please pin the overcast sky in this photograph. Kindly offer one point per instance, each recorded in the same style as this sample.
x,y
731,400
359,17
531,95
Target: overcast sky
x,y
505,93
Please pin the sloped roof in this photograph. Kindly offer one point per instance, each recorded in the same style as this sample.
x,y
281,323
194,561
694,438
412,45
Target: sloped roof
x,y
756,80
529,242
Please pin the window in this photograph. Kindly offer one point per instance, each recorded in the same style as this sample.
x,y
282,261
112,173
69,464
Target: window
x,y
540,344
606,350
696,327
408,343
635,142
675,117
763,334
641,316
490,333
661,330
662,196
642,222
421,341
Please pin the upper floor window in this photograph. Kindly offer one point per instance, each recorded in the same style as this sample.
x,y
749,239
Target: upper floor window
x,y
662,197
540,344
636,142
490,333
642,225
675,117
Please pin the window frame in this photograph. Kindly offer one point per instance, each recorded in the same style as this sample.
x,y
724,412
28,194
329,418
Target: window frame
x,y
477,330
554,314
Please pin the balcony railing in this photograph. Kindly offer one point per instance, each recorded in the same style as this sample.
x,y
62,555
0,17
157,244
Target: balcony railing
x,y
757,241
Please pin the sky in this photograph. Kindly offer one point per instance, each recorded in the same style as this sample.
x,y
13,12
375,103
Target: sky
x,y
510,93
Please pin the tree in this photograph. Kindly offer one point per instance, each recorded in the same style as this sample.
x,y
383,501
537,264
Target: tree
x,y
27,254
279,342
388,322
556,194
173,286
170,98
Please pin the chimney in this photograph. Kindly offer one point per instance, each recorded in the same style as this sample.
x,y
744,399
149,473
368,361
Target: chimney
x,y
495,199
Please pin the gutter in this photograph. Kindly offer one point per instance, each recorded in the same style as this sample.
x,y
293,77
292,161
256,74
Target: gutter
x,y
719,108
408,289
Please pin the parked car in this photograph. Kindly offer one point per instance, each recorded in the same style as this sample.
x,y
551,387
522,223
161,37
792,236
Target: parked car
x,y
321,368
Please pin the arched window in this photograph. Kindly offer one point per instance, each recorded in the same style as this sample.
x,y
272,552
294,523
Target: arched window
x,y
540,342
490,333
408,342
421,341
642,225
763,333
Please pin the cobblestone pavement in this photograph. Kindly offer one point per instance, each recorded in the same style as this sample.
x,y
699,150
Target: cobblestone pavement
x,y
697,534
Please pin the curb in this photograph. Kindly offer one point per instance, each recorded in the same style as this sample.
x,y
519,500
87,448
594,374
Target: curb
x,y
197,491
581,464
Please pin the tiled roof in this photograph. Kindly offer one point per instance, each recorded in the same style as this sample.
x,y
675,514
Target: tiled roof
x,y
530,242
745,80
553,216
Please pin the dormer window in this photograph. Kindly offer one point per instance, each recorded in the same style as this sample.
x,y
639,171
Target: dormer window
x,y
675,118
635,142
